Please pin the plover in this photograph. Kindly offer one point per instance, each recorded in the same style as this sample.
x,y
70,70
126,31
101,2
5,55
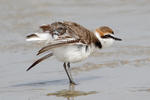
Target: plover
x,y
70,42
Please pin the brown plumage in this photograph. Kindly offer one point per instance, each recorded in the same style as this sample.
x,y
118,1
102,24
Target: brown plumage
x,y
82,33
103,30
45,28
69,30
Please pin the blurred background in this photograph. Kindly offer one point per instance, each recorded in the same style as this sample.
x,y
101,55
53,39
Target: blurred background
x,y
119,72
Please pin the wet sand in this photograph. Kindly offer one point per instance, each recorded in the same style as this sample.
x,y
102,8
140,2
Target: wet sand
x,y
120,72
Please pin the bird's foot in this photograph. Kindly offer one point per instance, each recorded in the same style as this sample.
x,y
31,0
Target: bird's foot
x,y
72,82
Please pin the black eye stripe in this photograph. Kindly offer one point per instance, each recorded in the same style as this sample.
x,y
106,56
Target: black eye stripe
x,y
112,37
107,36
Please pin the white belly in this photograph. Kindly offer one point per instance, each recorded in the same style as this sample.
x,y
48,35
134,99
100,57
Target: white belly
x,y
72,53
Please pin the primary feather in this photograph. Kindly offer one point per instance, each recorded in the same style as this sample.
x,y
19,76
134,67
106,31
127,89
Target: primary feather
x,y
40,60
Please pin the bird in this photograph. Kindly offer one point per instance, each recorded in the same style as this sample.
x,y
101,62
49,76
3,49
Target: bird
x,y
71,42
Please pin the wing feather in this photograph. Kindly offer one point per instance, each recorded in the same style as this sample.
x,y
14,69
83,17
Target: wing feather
x,y
51,46
39,60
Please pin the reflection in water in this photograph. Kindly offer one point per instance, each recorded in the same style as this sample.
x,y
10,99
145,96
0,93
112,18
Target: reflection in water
x,y
70,93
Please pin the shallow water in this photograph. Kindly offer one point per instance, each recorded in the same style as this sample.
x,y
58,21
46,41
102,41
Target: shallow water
x,y
119,72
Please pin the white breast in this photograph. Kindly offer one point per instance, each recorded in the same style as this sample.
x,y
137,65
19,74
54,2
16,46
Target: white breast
x,y
73,53
107,42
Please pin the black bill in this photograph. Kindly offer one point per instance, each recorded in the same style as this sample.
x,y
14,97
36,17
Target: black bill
x,y
117,39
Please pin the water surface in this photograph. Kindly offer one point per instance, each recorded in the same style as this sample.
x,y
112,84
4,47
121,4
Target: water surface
x,y
119,72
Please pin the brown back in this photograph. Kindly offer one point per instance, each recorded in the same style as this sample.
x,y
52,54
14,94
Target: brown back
x,y
71,29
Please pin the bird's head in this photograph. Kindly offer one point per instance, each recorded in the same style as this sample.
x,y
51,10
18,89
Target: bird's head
x,y
106,36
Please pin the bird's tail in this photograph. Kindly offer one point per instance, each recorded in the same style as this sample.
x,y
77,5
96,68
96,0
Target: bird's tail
x,y
39,37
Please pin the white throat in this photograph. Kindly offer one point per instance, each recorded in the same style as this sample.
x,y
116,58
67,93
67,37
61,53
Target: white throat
x,y
105,42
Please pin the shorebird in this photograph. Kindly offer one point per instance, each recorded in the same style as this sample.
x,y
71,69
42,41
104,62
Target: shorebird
x,y
70,42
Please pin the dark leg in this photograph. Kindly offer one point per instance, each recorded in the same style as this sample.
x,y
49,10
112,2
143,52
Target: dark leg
x,y
72,82
69,70
66,67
